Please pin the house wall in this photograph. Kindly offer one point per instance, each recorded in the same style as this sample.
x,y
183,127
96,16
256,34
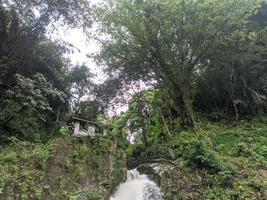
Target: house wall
x,y
91,130
76,128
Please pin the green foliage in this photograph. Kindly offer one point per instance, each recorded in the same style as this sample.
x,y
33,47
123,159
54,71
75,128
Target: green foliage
x,y
95,195
118,170
89,110
22,164
33,97
35,83
27,107
227,178
102,145
230,158
247,141
220,193
200,157
80,83
64,131
135,155
223,179
242,150
207,56
180,46
70,12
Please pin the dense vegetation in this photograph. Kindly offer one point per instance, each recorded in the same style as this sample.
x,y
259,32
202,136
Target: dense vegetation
x,y
35,79
193,74
208,56
62,168
230,159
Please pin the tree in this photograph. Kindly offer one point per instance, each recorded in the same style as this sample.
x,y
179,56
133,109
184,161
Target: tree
x,y
147,116
168,41
28,106
137,117
34,88
89,110
234,83
41,13
80,85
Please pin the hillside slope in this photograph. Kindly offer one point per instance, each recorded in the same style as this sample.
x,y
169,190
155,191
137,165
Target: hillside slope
x,y
219,161
70,168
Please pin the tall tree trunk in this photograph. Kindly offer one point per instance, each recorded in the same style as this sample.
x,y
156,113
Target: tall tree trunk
x,y
165,124
182,91
236,110
140,112
184,107
188,120
144,134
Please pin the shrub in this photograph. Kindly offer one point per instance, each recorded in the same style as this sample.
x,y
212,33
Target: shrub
x,y
227,178
199,157
209,179
135,154
242,150
64,131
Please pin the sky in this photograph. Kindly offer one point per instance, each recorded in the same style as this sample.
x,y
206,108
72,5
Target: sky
x,y
83,47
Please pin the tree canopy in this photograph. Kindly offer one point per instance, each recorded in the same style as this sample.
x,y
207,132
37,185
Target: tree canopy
x,y
35,79
173,43
188,57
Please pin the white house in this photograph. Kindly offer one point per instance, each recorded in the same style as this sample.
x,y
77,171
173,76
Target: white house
x,y
83,127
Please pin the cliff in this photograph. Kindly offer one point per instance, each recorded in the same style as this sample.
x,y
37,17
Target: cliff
x,y
71,168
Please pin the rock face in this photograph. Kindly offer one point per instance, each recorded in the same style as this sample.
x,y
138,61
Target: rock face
x,y
78,169
175,180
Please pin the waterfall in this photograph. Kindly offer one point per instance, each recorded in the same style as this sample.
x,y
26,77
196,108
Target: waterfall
x,y
137,187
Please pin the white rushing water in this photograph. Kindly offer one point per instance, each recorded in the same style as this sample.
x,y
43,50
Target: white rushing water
x,y
137,187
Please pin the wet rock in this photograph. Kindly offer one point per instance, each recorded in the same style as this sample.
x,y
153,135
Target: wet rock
x,y
175,180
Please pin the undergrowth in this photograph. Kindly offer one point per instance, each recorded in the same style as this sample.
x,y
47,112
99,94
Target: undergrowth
x,y
22,166
232,158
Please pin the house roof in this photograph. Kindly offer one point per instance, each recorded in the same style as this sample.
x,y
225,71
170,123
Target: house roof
x,y
91,122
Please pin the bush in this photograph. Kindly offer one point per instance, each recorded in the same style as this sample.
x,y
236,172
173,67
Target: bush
x,y
135,154
64,131
23,164
242,150
227,178
220,193
102,144
199,157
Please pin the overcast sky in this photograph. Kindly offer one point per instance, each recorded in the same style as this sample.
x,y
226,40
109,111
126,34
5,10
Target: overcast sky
x,y
83,46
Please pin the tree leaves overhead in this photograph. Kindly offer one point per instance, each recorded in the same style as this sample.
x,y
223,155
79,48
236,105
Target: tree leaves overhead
x,y
35,88
171,41
42,12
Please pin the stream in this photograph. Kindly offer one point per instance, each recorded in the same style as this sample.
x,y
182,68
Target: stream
x,y
137,187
